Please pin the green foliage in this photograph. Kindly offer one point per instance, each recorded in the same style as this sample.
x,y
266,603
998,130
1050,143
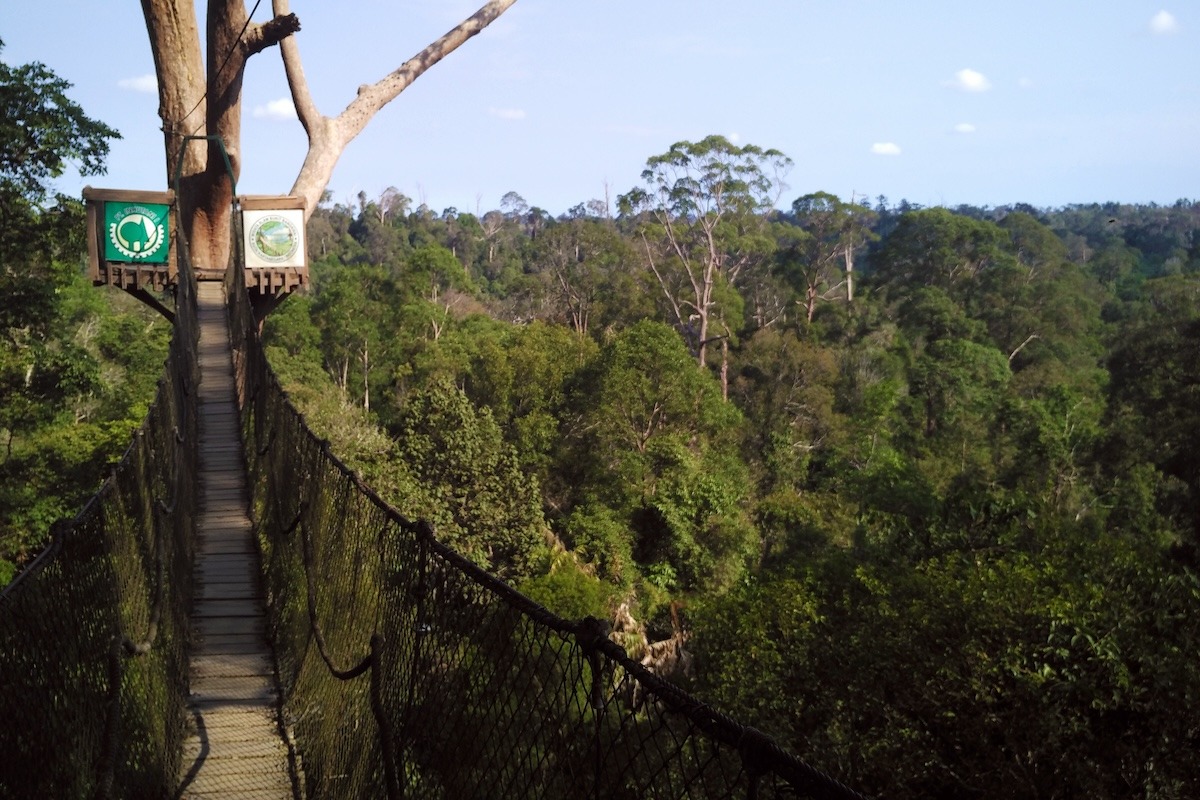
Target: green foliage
x,y
41,130
935,247
939,536
669,464
478,499
562,586
1007,675
77,368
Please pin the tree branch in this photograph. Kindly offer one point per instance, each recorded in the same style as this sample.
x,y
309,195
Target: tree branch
x,y
270,33
293,67
1013,354
329,136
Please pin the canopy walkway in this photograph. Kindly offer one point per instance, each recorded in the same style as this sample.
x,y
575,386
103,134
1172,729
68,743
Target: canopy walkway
x,y
234,747
134,657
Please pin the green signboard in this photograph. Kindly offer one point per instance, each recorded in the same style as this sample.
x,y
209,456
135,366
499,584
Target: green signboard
x,y
136,232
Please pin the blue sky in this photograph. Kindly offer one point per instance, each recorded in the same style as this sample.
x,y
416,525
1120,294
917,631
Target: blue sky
x,y
1048,102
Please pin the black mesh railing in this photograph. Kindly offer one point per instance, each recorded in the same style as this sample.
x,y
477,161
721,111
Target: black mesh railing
x,y
407,671
93,663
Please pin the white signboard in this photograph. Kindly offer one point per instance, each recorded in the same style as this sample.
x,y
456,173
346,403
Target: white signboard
x,y
274,238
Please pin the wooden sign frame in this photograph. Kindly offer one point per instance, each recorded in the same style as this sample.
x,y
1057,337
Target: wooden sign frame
x,y
272,280
130,275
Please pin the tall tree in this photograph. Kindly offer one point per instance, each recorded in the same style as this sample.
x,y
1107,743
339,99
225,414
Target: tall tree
x,y
705,206
936,247
833,230
197,99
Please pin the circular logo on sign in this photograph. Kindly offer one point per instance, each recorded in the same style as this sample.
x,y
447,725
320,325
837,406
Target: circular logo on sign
x,y
274,238
137,232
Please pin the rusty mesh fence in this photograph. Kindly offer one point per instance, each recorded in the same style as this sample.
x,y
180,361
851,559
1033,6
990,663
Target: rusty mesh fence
x,y
93,631
407,671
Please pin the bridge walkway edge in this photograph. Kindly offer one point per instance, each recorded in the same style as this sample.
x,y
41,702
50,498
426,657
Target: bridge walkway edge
x,y
234,745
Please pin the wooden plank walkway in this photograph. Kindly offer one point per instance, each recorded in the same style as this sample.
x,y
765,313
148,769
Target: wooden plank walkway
x,y
234,747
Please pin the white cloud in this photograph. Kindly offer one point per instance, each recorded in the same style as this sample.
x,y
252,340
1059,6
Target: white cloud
x,y
964,127
283,108
1164,22
734,137
970,81
142,83
885,149
1025,83
507,113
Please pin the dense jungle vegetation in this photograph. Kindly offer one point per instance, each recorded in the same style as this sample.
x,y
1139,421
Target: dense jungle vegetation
x,y
78,366
935,529
915,490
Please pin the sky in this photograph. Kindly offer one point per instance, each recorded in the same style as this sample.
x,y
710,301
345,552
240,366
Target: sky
x,y
939,102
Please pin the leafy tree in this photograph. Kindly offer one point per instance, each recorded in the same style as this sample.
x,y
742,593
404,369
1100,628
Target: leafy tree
x,y
585,267
703,215
522,377
1154,397
1003,674
785,389
477,496
661,452
42,131
936,247
61,415
354,310
832,231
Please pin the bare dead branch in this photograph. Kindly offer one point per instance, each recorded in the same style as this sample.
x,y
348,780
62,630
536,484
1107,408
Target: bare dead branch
x,y
1013,354
328,136
270,33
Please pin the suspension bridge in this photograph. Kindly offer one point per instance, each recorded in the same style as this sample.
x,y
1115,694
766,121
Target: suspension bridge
x,y
236,614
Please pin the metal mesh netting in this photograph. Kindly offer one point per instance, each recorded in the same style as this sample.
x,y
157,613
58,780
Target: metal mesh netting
x,y
92,633
407,671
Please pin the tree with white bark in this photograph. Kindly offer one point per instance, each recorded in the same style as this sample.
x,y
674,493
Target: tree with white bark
x,y
702,222
204,100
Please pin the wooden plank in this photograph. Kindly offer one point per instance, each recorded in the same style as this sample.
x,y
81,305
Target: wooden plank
x,y
207,688
235,719
263,202
213,608
224,591
250,784
129,195
252,748
225,520
235,749
226,546
244,626
228,643
245,575
232,663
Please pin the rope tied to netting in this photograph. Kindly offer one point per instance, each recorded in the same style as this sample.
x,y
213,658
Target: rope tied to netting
x,y
591,634
124,646
423,535
295,523
382,720
314,623
167,509
107,763
266,448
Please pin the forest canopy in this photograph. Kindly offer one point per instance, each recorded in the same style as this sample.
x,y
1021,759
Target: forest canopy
x,y
912,486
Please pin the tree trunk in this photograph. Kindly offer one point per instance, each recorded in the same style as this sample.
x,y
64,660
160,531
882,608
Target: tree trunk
x,y
366,366
195,101
725,369
849,255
